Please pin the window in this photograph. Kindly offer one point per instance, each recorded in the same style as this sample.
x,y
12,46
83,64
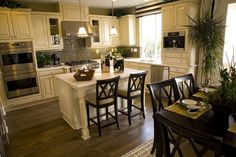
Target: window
x,y
230,34
150,36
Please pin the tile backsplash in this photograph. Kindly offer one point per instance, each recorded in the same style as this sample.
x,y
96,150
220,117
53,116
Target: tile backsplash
x,y
76,49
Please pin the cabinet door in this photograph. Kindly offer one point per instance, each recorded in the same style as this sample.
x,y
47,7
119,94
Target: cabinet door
x,y
106,26
40,31
6,30
47,86
54,33
167,18
115,39
84,14
72,13
124,31
21,24
181,17
96,25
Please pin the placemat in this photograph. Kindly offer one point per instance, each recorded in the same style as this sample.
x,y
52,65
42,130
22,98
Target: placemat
x,y
200,95
232,128
179,110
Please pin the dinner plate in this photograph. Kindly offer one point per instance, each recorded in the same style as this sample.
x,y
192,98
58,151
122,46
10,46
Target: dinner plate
x,y
206,90
189,102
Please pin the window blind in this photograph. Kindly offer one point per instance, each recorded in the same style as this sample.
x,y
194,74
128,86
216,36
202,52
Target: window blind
x,y
150,8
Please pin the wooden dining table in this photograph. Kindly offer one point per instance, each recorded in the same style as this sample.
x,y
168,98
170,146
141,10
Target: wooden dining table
x,y
212,122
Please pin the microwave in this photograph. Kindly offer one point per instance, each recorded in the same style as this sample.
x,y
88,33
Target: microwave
x,y
174,41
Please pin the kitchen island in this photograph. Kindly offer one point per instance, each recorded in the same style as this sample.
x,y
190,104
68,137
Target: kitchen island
x,y
71,96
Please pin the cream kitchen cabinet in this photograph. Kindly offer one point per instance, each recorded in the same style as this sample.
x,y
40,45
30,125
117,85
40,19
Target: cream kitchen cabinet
x,y
15,24
106,27
46,79
175,14
46,30
178,71
116,38
167,18
71,12
127,25
101,30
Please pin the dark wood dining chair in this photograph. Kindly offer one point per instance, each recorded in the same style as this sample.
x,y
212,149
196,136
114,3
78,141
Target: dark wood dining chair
x,y
185,85
134,90
105,96
197,143
163,93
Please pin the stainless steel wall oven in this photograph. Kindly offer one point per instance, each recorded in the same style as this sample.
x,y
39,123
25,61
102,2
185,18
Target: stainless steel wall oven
x,y
174,40
18,67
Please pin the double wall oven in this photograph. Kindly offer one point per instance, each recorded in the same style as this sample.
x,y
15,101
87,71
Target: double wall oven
x,y
18,68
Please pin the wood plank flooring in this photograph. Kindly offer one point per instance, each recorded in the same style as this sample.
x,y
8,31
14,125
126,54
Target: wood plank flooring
x,y
39,131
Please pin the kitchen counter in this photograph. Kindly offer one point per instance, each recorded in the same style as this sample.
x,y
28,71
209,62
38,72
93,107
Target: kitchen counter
x,y
53,67
71,96
157,62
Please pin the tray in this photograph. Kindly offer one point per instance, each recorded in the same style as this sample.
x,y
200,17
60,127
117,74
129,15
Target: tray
x,y
84,75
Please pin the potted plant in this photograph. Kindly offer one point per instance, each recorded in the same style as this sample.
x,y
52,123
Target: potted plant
x,y
11,4
207,33
43,59
226,93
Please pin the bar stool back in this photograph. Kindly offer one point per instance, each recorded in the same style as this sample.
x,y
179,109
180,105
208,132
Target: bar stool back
x,y
105,96
134,90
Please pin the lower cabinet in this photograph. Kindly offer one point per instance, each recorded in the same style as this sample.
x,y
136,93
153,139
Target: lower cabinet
x,y
47,86
46,79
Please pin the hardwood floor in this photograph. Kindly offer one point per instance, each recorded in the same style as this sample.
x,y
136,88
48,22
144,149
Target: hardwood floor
x,y
39,131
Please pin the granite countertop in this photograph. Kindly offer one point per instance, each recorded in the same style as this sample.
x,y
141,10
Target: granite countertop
x,y
157,62
52,67
70,80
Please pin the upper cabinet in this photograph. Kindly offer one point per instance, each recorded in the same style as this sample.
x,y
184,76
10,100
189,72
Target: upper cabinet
x,y
127,30
15,24
71,12
46,30
101,30
175,15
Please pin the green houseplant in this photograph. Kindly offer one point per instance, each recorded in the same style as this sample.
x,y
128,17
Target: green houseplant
x,y
43,59
11,4
207,33
226,93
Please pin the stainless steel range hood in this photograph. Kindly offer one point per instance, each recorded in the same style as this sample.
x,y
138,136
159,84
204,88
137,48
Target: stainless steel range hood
x,y
70,28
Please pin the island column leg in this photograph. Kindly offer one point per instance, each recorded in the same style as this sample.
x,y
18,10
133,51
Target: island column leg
x,y
83,116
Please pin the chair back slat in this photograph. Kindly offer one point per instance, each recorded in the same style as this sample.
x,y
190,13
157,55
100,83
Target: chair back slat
x,y
175,133
106,89
185,85
136,82
162,93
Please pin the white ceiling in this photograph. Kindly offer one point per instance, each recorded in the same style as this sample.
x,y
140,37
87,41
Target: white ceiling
x,y
98,3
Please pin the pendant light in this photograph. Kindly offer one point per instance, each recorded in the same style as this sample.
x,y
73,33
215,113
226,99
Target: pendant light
x,y
82,31
113,30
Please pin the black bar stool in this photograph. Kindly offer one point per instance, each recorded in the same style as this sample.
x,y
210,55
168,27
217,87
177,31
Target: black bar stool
x,y
135,89
105,96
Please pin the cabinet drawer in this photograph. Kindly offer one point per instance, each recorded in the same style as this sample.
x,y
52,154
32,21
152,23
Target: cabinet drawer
x,y
51,72
175,61
174,55
134,65
147,66
177,70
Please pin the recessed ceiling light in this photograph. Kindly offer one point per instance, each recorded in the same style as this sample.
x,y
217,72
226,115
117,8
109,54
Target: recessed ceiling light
x,y
113,0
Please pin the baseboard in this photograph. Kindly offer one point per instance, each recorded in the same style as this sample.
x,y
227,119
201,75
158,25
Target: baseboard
x,y
30,104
